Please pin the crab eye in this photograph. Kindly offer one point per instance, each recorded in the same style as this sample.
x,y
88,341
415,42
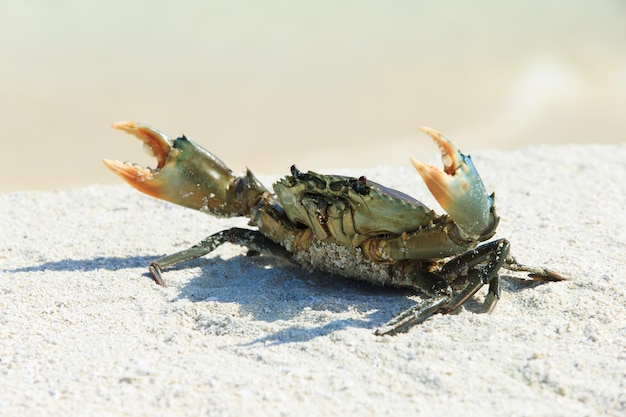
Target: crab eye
x,y
296,172
360,185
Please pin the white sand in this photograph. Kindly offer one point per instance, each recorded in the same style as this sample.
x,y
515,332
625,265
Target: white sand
x,y
85,331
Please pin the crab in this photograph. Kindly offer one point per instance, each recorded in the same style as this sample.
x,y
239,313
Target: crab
x,y
346,226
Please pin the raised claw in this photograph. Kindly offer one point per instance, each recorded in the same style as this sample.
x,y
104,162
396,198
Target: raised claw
x,y
186,174
459,189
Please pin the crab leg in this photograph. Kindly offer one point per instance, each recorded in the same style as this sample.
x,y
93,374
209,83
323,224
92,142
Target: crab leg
x,y
535,273
249,238
493,255
413,316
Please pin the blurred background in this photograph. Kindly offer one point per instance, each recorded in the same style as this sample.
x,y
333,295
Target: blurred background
x,y
323,84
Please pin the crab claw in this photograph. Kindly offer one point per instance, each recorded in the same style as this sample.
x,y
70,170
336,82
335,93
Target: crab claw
x,y
147,180
186,174
459,189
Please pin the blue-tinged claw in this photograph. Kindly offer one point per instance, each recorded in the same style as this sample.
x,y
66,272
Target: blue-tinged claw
x,y
459,189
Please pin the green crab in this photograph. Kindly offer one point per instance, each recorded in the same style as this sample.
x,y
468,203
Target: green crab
x,y
347,226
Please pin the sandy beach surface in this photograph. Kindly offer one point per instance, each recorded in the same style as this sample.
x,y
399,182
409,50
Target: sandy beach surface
x,y
535,91
85,331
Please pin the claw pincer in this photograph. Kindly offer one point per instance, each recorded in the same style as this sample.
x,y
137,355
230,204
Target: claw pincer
x,y
347,226
459,189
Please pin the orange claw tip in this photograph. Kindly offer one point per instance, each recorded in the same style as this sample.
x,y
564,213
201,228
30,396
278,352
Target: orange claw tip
x,y
436,181
450,156
440,183
123,125
144,179
157,143
129,172
140,178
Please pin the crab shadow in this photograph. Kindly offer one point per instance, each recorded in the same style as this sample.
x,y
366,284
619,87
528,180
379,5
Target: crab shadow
x,y
261,287
271,291
109,263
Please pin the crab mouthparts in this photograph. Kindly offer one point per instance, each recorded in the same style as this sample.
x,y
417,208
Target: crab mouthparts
x,y
155,142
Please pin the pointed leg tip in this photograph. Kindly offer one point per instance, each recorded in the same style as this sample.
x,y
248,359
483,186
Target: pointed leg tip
x,y
547,275
383,332
157,276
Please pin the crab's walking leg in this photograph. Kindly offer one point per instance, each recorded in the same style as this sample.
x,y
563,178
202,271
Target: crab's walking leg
x,y
252,239
413,316
481,266
493,255
535,273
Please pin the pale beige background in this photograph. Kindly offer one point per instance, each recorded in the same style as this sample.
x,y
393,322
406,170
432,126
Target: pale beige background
x,y
322,84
